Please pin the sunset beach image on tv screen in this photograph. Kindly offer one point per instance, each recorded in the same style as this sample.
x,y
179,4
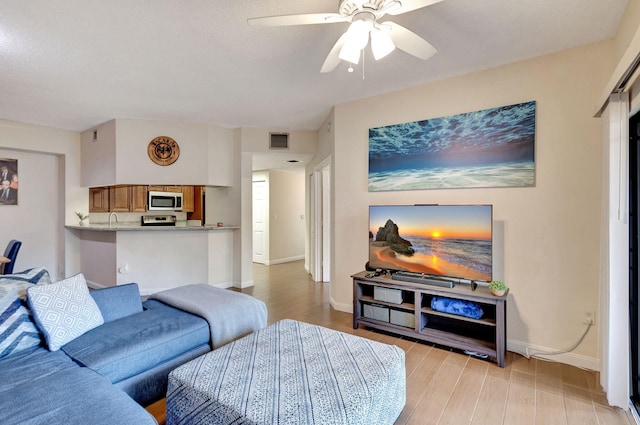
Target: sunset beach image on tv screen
x,y
441,240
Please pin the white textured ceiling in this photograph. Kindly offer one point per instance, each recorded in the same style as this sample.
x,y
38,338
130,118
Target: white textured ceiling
x,y
72,64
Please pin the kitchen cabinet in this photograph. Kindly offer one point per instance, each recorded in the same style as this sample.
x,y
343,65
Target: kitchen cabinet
x,y
99,199
174,188
133,198
138,198
165,188
120,198
197,212
187,199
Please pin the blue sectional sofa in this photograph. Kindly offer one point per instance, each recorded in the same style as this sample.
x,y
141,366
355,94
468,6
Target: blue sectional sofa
x,y
137,352
103,376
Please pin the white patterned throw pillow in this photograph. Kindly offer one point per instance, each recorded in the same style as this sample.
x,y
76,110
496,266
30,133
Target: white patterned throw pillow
x,y
64,310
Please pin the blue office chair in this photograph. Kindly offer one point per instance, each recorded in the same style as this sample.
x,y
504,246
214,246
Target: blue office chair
x,y
11,253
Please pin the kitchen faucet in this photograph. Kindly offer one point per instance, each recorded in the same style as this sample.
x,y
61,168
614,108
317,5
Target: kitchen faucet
x,y
111,214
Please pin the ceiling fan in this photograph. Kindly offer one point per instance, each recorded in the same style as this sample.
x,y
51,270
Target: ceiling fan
x,y
364,16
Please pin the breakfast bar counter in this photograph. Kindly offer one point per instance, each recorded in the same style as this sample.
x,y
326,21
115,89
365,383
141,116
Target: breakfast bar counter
x,y
102,227
157,257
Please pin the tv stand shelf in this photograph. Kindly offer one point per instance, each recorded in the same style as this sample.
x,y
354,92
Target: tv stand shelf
x,y
411,314
486,322
404,306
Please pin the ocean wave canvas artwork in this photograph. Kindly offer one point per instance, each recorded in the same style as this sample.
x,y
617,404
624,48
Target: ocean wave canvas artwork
x,y
488,148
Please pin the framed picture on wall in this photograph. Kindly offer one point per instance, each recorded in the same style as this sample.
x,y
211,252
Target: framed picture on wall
x,y
488,148
8,181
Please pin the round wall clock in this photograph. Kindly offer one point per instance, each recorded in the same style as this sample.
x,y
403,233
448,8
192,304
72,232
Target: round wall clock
x,y
163,150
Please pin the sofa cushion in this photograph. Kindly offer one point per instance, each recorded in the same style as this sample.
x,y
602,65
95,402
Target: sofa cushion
x,y
63,310
131,345
30,365
71,396
18,331
151,385
118,301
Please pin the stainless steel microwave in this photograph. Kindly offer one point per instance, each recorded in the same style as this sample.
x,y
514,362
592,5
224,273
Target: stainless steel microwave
x,y
165,201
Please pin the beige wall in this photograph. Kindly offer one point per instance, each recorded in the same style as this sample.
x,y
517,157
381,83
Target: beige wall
x,y
222,162
547,236
98,155
627,30
119,154
286,222
256,140
49,160
134,166
34,221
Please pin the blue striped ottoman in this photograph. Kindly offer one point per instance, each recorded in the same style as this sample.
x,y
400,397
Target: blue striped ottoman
x,y
291,373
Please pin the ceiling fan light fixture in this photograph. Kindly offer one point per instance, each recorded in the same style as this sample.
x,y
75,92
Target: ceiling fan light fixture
x,y
358,33
381,44
350,53
357,38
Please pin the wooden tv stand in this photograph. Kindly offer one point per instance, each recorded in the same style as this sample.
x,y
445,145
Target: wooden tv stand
x,y
408,312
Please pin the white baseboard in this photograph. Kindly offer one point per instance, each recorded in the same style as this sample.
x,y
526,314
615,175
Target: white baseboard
x,y
148,291
519,347
577,360
284,260
245,284
347,308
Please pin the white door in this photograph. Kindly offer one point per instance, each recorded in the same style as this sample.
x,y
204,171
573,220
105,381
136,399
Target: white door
x,y
259,221
316,226
326,226
321,223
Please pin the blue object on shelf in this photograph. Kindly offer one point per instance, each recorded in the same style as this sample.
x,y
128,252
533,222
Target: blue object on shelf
x,y
457,307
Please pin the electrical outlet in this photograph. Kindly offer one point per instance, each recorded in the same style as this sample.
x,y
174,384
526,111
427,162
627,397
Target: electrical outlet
x,y
589,318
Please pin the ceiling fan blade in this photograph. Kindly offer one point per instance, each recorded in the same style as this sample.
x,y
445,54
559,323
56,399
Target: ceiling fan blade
x,y
409,41
410,5
286,20
333,58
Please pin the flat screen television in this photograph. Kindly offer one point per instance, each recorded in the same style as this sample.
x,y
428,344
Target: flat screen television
x,y
445,241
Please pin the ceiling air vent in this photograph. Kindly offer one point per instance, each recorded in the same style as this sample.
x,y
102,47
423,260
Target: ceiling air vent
x,y
278,140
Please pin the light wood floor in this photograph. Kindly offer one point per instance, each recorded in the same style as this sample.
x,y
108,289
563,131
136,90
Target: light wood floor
x,y
443,386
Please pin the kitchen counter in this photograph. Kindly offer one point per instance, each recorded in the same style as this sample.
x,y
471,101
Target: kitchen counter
x,y
117,227
156,257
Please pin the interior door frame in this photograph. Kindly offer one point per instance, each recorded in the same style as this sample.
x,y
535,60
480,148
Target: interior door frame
x,y
321,221
265,214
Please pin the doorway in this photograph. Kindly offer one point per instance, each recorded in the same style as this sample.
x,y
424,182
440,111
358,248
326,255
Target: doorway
x,y
260,207
321,222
